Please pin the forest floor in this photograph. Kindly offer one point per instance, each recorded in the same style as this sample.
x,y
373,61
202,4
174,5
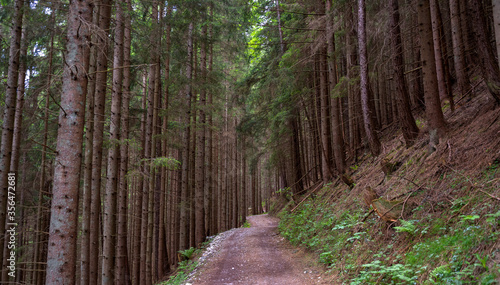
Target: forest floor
x,y
258,255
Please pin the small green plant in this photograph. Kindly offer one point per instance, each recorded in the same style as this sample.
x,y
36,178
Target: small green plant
x,y
493,218
356,236
188,253
246,225
469,217
285,192
482,261
420,123
378,273
354,167
407,227
185,267
326,258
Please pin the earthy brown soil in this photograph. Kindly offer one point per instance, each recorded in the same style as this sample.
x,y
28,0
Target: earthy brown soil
x,y
258,255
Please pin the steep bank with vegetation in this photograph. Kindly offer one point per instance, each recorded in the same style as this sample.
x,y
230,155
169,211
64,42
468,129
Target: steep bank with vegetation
x,y
447,211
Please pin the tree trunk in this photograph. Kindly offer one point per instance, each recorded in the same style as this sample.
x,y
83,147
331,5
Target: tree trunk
x,y
122,275
432,105
64,209
489,67
8,125
212,164
458,49
200,147
496,22
184,215
338,139
149,147
16,145
137,258
353,87
110,204
408,125
163,262
325,120
99,118
436,35
87,175
364,81
280,31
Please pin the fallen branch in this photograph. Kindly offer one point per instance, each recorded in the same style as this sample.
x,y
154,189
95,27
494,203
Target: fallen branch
x,y
493,197
315,189
366,217
404,204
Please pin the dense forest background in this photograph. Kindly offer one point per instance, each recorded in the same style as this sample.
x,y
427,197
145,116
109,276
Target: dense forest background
x,y
136,129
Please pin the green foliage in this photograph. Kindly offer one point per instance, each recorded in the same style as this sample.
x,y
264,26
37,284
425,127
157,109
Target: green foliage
x,y
378,273
437,250
469,217
185,267
167,162
493,219
285,192
407,227
246,225
188,253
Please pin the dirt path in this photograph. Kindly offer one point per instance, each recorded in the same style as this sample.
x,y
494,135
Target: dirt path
x,y
257,255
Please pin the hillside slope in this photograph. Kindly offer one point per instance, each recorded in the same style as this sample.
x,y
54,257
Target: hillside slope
x,y
444,207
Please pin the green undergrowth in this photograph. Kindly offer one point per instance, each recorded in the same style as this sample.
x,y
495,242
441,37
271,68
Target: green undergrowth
x,y
452,239
187,264
184,267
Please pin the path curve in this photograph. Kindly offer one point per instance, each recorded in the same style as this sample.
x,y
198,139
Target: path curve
x,y
257,255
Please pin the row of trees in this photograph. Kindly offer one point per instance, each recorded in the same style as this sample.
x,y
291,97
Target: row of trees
x,y
330,76
123,135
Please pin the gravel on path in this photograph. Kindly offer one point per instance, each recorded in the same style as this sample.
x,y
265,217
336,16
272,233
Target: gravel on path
x,y
256,255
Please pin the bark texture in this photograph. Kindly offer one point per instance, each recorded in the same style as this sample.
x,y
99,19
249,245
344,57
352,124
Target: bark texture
x,y
63,223
408,125
368,112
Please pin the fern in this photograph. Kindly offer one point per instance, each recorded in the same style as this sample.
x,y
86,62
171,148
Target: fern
x,y
407,227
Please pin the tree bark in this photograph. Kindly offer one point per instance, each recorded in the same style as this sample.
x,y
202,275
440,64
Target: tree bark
x,y
369,123
122,275
149,147
432,105
200,147
458,49
496,22
489,67
353,87
16,143
184,215
163,262
408,125
99,118
436,35
337,136
136,245
63,224
110,200
87,175
324,119
8,125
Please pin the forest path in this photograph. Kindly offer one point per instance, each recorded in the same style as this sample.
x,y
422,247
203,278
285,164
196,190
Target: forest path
x,y
258,255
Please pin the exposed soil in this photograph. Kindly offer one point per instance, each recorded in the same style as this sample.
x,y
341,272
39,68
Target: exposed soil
x,y
258,255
